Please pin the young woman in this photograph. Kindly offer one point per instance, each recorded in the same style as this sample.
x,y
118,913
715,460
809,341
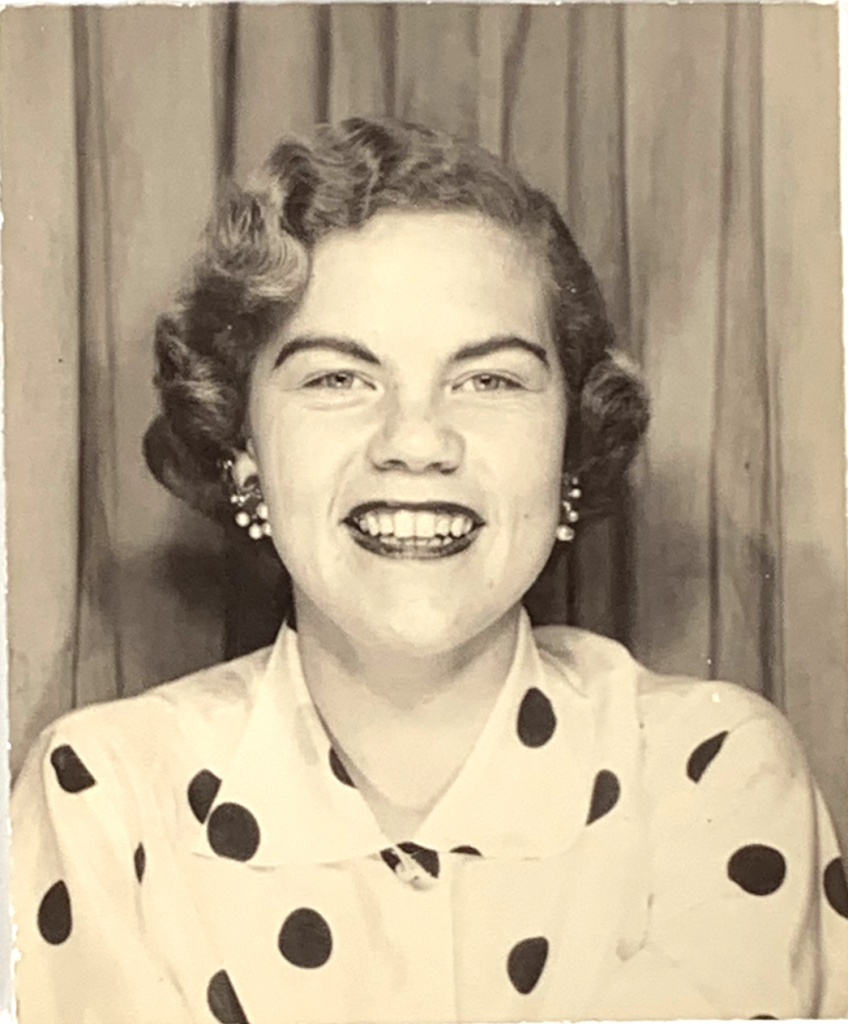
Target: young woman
x,y
412,807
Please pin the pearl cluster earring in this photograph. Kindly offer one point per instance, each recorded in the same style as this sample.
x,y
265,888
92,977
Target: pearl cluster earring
x,y
251,512
570,515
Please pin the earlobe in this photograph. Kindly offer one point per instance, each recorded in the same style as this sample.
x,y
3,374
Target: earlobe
x,y
245,466
241,473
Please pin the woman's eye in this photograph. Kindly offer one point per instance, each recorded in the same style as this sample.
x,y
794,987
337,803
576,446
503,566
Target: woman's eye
x,y
488,382
338,380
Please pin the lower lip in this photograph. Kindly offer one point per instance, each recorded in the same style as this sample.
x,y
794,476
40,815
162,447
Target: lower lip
x,y
410,551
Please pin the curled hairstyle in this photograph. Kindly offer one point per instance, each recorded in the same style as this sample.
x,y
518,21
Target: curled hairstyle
x,y
256,263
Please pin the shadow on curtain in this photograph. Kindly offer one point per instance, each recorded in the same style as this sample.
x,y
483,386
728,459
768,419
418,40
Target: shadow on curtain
x,y
693,151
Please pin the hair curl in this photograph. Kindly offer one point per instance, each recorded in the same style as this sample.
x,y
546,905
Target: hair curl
x,y
255,266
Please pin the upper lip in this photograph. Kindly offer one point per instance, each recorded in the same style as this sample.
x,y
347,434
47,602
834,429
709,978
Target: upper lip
x,y
450,508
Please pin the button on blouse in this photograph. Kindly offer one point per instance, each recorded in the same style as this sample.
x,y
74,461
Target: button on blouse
x,y
617,846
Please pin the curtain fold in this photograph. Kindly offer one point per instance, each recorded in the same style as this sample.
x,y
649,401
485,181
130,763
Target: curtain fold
x,y
803,309
42,353
147,150
693,151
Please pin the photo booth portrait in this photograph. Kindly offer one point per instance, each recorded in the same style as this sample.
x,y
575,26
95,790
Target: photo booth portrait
x,y
425,461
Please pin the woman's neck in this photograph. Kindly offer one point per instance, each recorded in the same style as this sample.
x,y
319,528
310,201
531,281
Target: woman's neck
x,y
403,723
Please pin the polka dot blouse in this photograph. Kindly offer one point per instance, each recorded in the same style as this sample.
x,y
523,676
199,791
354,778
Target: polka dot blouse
x,y
618,846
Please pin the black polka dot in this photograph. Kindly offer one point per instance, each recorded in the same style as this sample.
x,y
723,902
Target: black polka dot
x,y
702,756
427,859
305,938
536,719
339,769
757,869
835,887
470,851
605,794
140,861
223,1001
233,832
390,858
526,962
54,914
72,774
202,791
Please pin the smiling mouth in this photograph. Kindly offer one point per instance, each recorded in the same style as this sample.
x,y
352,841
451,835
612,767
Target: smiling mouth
x,y
417,530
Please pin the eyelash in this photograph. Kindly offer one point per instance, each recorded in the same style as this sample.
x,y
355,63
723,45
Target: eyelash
x,y
330,381
346,380
502,382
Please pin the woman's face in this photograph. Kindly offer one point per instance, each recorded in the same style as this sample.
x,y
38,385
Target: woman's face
x,y
408,424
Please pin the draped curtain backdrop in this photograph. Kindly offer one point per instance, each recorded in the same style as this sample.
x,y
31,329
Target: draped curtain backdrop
x,y
693,150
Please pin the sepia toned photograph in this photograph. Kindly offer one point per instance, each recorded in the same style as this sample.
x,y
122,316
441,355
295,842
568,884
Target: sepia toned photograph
x,y
426,512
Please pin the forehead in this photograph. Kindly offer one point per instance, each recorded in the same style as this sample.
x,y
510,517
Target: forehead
x,y
455,269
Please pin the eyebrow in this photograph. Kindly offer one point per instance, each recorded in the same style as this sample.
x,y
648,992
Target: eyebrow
x,y
349,347
345,346
500,343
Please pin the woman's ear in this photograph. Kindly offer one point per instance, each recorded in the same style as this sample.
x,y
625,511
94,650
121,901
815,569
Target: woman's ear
x,y
245,466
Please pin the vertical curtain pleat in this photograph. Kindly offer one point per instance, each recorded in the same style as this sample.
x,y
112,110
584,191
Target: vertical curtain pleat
x,y
40,290
742,530
536,108
150,594
804,317
362,45
98,672
501,37
674,78
692,149
436,65
281,77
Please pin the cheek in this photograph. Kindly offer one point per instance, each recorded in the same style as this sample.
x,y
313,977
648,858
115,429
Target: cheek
x,y
531,461
284,472
304,462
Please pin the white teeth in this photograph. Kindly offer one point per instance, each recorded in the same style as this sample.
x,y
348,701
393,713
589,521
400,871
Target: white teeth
x,y
404,524
460,525
425,524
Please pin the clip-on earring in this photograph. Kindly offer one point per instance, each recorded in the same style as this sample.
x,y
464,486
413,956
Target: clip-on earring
x,y
570,515
251,511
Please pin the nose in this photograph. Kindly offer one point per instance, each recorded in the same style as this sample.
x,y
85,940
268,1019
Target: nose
x,y
414,437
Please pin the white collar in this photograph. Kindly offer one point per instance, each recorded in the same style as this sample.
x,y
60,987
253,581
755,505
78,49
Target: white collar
x,y
501,802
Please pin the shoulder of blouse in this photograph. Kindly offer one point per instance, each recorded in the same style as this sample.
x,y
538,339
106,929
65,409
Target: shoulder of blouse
x,y
203,711
670,707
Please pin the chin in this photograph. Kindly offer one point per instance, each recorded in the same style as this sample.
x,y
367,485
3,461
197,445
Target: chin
x,y
413,631
416,611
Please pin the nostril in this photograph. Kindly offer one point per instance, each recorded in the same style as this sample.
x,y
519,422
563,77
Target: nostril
x,y
416,446
411,465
